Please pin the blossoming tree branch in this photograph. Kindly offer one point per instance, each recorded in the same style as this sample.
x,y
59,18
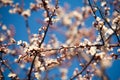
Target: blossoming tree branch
x,y
62,37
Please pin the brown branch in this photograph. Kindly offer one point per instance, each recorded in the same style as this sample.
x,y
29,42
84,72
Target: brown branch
x,y
104,18
95,16
72,78
1,75
45,33
80,46
72,47
3,62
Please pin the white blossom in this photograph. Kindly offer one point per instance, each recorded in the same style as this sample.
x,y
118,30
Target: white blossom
x,y
106,63
26,13
108,20
22,65
93,50
108,33
42,68
2,37
118,50
77,15
8,32
38,1
98,38
63,70
103,3
67,20
87,42
64,73
32,5
37,75
101,55
4,27
19,42
104,29
37,63
11,75
46,19
98,19
7,1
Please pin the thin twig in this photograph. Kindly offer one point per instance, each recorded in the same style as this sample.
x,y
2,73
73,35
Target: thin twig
x,y
104,18
1,74
45,33
28,28
72,78
73,47
95,19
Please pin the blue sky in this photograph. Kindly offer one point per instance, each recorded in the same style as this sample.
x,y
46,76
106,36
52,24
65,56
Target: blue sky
x,y
21,34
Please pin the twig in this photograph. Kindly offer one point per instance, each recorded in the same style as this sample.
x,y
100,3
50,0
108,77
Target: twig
x,y
117,10
83,68
104,18
45,33
3,62
7,66
1,74
73,47
95,19
28,28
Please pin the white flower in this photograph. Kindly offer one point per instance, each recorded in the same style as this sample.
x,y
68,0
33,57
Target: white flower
x,y
55,19
12,40
108,33
87,42
106,63
101,55
25,44
98,19
63,70
42,68
11,75
46,1
37,75
8,32
13,11
4,27
108,20
86,8
93,50
2,37
22,65
116,23
19,42
118,50
114,26
37,63
38,1
46,19
67,20
103,3
26,13
32,5
77,15
33,47
7,1
75,71
95,9
98,38
104,28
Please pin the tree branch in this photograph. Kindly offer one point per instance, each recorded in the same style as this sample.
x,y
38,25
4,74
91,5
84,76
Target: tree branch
x,y
83,68
45,33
